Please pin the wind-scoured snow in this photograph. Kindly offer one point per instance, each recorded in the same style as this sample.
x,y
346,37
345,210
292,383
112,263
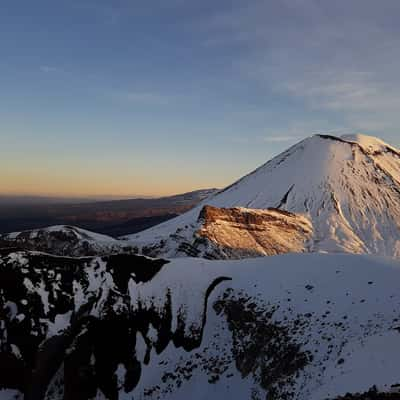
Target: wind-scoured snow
x,y
348,187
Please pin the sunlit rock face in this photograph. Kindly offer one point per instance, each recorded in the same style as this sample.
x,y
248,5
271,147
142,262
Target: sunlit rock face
x,y
299,326
236,233
243,232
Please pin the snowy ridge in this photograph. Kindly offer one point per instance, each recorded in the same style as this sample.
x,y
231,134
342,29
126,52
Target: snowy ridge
x,y
304,327
65,240
348,187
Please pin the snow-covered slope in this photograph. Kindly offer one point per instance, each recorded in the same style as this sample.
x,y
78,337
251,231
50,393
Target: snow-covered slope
x,y
348,187
304,327
65,240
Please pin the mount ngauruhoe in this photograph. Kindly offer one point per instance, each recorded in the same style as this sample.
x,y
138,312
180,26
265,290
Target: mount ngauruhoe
x,y
324,194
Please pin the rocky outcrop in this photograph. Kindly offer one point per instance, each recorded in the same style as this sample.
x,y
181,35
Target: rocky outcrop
x,y
236,233
241,232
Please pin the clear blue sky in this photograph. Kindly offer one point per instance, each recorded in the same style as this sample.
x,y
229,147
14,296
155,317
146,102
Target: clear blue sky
x,y
163,96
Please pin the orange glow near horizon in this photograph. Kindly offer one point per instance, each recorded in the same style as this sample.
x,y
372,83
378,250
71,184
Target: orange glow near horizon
x,y
87,185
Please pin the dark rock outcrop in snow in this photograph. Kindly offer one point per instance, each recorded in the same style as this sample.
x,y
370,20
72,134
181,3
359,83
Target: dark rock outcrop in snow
x,y
76,314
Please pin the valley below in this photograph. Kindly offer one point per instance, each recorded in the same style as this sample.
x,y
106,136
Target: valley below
x,y
114,218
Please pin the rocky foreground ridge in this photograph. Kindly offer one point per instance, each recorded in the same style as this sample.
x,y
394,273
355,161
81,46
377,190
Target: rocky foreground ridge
x,y
65,240
304,327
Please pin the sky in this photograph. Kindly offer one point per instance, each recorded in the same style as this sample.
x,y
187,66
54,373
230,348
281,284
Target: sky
x,y
154,97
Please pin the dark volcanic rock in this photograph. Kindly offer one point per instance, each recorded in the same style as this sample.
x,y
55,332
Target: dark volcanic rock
x,y
262,347
77,315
